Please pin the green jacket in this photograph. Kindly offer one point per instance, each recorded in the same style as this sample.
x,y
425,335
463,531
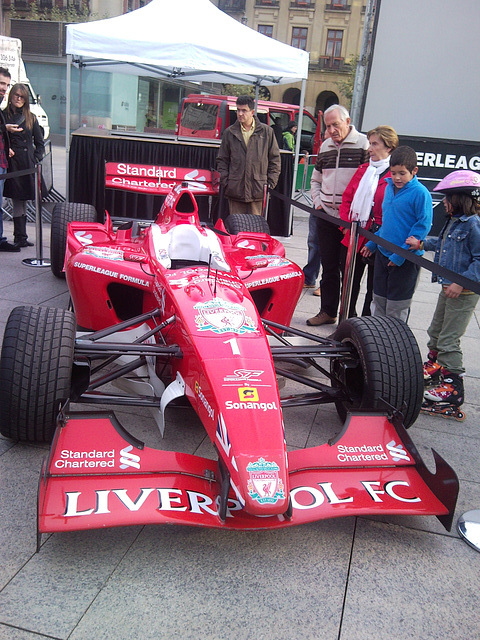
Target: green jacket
x,y
288,140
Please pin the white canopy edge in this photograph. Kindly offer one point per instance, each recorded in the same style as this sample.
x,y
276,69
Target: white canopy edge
x,y
187,39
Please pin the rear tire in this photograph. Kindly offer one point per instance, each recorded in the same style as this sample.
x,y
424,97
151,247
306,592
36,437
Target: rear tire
x,y
35,371
387,364
238,222
62,214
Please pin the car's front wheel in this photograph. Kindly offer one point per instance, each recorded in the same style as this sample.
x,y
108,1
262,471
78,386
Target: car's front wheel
x,y
35,371
385,364
238,222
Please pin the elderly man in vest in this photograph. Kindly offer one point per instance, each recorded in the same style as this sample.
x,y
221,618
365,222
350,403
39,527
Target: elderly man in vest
x,y
339,157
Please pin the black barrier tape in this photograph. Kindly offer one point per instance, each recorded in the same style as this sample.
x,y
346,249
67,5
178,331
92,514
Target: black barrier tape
x,y
17,174
433,267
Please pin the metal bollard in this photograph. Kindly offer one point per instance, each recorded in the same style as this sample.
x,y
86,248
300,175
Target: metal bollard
x,y
468,527
38,261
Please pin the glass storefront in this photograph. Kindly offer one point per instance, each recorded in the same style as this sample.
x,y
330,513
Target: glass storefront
x,y
109,100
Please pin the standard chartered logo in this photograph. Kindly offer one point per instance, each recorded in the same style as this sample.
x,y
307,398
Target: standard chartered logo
x,y
397,452
128,459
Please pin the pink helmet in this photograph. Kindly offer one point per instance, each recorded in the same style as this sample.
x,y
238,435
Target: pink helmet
x,y
461,181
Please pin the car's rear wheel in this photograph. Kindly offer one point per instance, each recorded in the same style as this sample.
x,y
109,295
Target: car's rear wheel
x,y
238,222
386,363
35,371
62,214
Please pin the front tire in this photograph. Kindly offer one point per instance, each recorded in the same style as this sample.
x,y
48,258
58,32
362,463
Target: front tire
x,y
386,364
62,214
35,371
238,222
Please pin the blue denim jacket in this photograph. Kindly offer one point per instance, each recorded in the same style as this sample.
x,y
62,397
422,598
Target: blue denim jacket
x,y
457,248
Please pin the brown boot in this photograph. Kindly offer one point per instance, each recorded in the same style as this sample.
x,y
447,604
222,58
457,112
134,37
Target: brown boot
x,y
321,318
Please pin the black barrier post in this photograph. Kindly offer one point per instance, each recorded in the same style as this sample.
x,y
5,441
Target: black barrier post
x,y
38,261
349,272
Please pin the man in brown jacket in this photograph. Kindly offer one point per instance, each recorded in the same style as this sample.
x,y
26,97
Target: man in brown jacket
x,y
248,159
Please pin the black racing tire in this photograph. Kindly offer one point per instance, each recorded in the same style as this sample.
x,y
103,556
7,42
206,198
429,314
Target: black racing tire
x,y
35,371
387,364
238,222
62,214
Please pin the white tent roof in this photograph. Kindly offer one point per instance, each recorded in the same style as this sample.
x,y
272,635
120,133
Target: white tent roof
x,y
185,39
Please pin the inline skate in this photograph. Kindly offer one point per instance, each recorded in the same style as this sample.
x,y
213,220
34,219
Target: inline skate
x,y
446,397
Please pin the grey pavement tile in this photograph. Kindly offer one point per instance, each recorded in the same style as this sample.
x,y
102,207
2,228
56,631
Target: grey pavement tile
x,y
5,445
58,300
407,585
39,288
52,592
420,316
205,449
460,451
438,425
13,633
188,583
326,426
298,424
20,469
472,396
471,362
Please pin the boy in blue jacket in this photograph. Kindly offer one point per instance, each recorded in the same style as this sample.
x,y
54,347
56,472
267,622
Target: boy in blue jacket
x,y
407,211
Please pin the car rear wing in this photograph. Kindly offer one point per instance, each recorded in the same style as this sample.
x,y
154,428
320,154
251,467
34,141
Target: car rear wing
x,y
159,180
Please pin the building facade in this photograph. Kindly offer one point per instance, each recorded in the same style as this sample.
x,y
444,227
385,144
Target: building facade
x,y
330,30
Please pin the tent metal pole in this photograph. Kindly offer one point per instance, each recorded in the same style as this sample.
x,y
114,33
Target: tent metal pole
x,y
297,152
67,121
80,82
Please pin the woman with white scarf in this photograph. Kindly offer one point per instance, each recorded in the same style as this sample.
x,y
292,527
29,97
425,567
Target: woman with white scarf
x,y
362,202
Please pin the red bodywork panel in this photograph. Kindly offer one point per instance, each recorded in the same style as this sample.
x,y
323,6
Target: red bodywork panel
x,y
369,469
211,291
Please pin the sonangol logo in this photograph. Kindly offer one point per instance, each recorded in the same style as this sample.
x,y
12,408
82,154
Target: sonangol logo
x,y
397,452
247,394
128,459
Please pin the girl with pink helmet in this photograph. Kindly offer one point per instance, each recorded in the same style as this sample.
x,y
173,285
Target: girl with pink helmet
x,y
457,248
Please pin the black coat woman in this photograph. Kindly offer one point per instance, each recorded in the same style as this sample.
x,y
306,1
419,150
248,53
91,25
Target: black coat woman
x,y
28,149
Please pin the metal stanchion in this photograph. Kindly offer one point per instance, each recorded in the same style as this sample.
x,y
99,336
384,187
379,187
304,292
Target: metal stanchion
x,y
266,201
349,272
468,527
38,261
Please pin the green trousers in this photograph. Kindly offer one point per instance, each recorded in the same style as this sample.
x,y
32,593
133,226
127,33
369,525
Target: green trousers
x,y
448,325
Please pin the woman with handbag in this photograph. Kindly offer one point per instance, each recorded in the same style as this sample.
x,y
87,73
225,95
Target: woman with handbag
x,y
26,150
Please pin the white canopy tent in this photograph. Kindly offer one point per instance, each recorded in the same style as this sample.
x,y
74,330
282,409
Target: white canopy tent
x,y
186,39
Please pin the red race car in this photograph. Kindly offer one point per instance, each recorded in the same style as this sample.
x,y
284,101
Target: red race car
x,y
175,311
